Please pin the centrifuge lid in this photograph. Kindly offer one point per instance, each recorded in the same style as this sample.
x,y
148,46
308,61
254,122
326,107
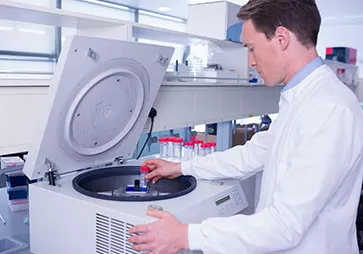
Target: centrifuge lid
x,y
99,100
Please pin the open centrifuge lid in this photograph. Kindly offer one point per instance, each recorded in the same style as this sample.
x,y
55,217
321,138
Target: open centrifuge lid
x,y
99,100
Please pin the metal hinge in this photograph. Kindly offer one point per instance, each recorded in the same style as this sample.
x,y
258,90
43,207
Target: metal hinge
x,y
119,160
51,173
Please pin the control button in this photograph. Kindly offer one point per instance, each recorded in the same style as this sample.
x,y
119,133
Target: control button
x,y
154,207
216,182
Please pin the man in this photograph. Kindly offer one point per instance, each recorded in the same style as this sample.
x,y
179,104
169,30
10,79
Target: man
x,y
311,155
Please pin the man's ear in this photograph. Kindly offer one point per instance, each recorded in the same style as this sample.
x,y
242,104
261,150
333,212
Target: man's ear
x,y
282,35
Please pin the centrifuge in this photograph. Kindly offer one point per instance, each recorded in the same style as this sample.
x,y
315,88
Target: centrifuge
x,y
91,192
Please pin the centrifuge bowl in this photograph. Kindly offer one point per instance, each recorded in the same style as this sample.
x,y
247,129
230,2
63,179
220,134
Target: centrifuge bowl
x,y
110,184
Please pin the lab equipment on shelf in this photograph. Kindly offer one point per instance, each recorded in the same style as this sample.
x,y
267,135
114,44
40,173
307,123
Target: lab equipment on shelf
x,y
205,149
163,145
213,147
178,145
188,150
197,147
170,147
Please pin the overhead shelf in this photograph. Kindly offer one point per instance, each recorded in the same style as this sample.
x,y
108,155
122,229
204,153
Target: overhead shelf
x,y
159,34
177,106
15,11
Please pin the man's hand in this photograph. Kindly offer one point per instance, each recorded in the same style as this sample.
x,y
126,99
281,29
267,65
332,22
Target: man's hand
x,y
162,169
165,236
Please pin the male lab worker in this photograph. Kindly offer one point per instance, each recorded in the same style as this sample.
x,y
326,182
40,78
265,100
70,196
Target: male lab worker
x,y
311,156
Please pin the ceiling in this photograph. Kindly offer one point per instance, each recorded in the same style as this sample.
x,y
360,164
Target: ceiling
x,y
330,9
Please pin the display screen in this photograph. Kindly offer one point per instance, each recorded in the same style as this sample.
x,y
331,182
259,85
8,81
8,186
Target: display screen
x,y
222,200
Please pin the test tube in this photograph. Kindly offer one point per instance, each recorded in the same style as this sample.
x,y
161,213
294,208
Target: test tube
x,y
205,149
143,172
170,147
213,146
197,148
188,150
163,144
178,148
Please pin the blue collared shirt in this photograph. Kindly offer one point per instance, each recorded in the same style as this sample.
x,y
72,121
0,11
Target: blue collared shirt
x,y
303,73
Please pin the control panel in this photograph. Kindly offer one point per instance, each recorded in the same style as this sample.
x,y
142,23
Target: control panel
x,y
231,202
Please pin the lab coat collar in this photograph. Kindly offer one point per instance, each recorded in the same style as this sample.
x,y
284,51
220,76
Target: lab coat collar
x,y
305,85
303,73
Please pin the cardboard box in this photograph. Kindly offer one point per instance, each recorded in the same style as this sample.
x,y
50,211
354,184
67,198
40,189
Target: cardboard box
x,y
210,138
239,137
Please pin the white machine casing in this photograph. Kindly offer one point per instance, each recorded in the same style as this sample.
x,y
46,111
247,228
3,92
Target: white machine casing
x,y
100,98
65,221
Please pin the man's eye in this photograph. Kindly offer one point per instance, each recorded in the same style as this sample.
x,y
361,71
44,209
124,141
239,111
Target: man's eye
x,y
251,49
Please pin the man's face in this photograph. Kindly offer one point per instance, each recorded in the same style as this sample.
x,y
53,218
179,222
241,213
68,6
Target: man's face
x,y
265,55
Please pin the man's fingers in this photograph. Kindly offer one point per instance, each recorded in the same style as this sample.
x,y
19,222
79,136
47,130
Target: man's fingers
x,y
152,174
143,247
139,229
141,239
146,163
157,213
155,179
149,164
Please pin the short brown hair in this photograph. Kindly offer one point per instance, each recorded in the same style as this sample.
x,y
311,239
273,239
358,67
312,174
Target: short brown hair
x,y
301,17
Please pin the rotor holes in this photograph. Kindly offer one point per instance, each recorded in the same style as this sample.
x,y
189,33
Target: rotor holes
x,y
78,115
95,143
118,80
76,50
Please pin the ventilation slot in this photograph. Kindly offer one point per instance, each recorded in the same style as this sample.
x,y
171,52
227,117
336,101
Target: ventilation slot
x,y
102,234
128,244
118,237
112,235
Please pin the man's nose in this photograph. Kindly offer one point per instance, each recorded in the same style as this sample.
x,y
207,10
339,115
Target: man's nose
x,y
251,60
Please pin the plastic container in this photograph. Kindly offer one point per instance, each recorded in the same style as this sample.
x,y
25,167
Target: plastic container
x,y
188,150
197,147
143,172
18,205
15,179
163,145
213,147
6,162
178,146
205,149
18,192
170,147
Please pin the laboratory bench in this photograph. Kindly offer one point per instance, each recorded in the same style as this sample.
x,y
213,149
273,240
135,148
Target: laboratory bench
x,y
16,225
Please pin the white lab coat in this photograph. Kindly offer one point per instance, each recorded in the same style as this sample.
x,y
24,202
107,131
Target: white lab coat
x,y
312,176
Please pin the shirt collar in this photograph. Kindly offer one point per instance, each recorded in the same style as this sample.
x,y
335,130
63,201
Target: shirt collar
x,y
303,73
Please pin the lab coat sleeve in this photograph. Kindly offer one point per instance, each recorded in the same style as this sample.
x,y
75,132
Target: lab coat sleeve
x,y
322,158
237,162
